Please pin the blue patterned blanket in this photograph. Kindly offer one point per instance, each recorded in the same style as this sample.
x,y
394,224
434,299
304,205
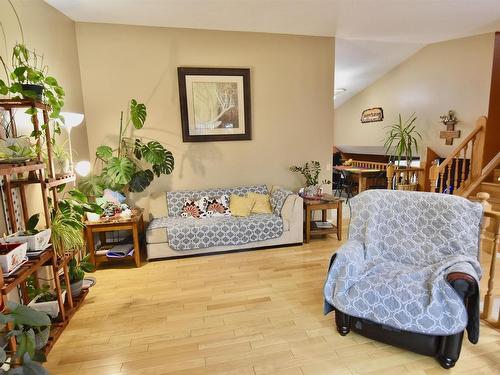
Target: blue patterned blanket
x,y
190,233
401,247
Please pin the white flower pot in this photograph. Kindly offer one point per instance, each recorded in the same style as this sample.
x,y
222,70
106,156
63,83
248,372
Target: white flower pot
x,y
12,254
35,242
93,217
51,308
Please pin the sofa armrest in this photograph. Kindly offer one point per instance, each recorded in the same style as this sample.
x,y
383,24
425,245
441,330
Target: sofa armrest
x,y
464,284
293,204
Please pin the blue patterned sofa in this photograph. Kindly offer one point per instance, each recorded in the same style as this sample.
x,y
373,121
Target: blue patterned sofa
x,y
170,235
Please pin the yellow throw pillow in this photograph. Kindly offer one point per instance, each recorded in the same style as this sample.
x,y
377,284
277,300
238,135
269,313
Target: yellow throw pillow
x,y
262,204
241,206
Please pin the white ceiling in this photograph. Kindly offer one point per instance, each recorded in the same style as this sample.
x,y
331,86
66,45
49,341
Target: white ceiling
x,y
400,26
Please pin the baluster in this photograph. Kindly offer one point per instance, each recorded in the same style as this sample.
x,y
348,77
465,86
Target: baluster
x,y
448,180
464,162
390,174
456,173
471,159
433,176
441,182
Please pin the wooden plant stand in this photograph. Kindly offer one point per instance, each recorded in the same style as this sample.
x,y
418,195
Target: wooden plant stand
x,y
18,176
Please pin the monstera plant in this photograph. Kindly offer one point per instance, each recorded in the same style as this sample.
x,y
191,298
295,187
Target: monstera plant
x,y
135,162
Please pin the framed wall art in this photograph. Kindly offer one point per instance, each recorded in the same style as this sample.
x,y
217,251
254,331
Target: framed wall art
x,y
215,104
372,115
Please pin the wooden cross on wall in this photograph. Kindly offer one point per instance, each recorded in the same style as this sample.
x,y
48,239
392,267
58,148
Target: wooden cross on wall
x,y
450,133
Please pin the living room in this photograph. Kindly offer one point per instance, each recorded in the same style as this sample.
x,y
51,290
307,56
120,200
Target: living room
x,y
184,150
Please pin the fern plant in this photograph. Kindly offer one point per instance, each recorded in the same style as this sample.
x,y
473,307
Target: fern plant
x,y
401,140
135,162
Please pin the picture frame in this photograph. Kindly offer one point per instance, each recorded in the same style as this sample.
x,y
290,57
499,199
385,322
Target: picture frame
x,y
215,104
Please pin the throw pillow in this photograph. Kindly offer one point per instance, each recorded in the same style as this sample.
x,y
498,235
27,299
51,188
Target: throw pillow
x,y
241,206
278,198
195,208
219,206
262,204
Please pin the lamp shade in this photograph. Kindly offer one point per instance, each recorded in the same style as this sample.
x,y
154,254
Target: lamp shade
x,y
72,119
83,168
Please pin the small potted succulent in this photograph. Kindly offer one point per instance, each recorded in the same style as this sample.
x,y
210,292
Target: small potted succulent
x,y
36,239
77,273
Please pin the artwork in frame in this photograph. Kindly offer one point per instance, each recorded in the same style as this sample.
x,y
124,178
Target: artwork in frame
x,y
372,115
215,104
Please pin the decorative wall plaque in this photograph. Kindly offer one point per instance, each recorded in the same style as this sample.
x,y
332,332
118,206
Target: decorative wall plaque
x,y
450,133
372,115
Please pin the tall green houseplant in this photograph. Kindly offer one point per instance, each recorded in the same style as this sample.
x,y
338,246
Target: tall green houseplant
x,y
401,141
134,164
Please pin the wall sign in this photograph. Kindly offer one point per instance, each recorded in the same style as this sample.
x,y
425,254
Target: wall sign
x,y
372,115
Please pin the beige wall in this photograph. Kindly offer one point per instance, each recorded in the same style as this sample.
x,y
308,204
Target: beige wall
x,y
291,84
49,32
449,75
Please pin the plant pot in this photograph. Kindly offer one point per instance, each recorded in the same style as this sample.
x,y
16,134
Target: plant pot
x,y
36,242
76,288
37,89
93,217
62,167
51,308
42,338
11,255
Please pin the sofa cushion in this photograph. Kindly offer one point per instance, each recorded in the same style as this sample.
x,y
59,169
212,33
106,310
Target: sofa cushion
x,y
195,208
218,206
262,204
278,198
175,199
241,206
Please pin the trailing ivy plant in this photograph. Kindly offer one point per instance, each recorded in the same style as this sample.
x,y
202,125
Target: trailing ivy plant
x,y
135,162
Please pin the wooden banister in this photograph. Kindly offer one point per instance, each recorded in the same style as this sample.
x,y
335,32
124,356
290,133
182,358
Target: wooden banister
x,y
397,175
369,164
487,170
430,157
488,217
463,177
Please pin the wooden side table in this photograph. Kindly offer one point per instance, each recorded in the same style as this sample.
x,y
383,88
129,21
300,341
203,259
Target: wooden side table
x,y
322,205
135,224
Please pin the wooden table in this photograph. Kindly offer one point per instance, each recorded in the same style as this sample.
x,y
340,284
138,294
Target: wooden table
x,y
362,173
135,224
329,203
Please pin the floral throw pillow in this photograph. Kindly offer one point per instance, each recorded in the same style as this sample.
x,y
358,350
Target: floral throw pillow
x,y
218,206
195,208
277,200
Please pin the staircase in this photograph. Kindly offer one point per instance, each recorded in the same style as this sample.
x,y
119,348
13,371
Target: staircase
x,y
462,174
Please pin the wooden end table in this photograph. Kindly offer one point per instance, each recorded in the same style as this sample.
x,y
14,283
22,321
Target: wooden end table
x,y
328,203
135,224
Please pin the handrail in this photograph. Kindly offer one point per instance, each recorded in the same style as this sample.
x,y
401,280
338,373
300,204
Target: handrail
x,y
396,175
463,175
487,170
369,164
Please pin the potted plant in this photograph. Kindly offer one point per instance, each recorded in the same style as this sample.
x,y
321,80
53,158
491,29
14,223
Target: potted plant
x,y
31,331
36,239
12,255
134,164
30,79
43,299
67,222
310,170
401,143
61,158
15,150
77,273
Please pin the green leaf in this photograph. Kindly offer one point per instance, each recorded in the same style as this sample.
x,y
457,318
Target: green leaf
x,y
119,170
153,152
91,186
32,368
31,111
33,222
4,89
26,316
104,152
26,342
137,114
61,188
16,88
166,167
51,81
138,145
78,196
140,181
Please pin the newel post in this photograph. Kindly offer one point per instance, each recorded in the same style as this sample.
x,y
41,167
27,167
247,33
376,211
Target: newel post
x,y
390,174
433,176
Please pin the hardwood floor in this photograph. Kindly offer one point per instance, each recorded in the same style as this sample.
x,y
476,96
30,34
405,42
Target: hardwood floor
x,y
248,313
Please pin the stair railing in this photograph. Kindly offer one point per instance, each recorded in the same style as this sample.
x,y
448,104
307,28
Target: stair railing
x,y
453,177
490,216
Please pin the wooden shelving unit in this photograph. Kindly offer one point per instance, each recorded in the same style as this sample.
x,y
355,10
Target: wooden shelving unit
x,y
18,176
